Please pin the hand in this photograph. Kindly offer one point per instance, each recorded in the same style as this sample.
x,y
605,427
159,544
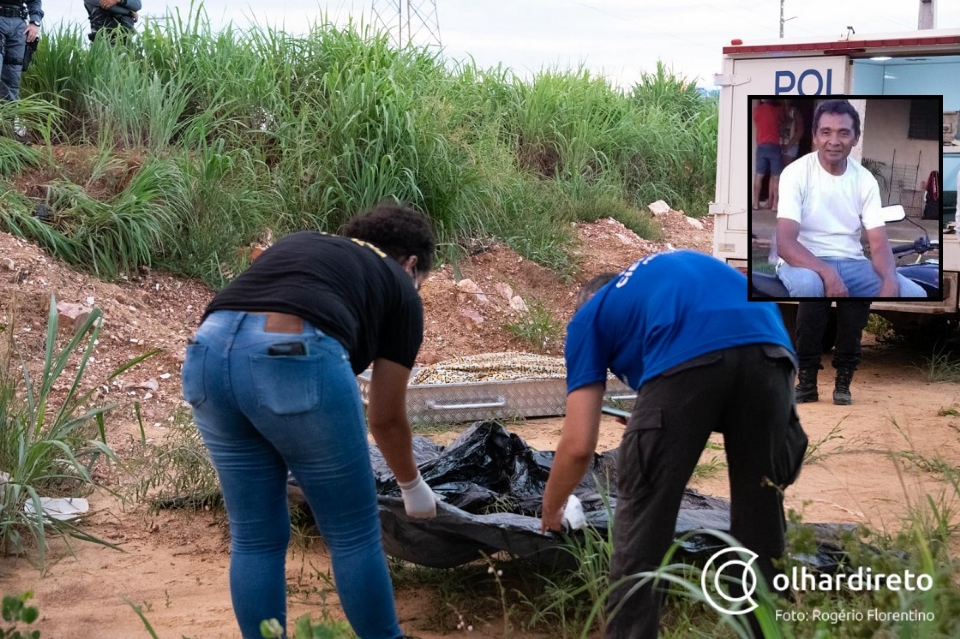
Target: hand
x,y
833,285
106,4
551,521
32,32
419,500
890,288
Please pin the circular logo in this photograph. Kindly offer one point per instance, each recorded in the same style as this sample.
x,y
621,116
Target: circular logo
x,y
724,572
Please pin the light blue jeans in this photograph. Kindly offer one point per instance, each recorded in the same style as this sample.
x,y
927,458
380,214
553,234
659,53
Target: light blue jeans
x,y
859,276
261,414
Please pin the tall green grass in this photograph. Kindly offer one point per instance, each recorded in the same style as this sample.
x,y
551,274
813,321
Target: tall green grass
x,y
250,129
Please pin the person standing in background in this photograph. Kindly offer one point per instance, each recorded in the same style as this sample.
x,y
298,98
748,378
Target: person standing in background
x,y
791,131
767,116
19,24
117,17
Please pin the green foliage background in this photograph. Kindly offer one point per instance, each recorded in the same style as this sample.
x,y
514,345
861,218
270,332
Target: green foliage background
x,y
236,131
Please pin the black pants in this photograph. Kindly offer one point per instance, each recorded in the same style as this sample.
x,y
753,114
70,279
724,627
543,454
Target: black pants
x,y
812,319
746,393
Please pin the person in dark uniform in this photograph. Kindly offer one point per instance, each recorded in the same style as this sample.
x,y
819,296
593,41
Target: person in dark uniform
x,y
115,17
271,376
678,328
19,24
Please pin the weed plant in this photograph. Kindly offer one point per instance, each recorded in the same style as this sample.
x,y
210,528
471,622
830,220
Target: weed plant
x,y
942,366
538,329
177,472
49,439
15,611
239,131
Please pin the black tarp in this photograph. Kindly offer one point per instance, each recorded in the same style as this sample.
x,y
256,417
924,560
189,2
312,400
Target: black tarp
x,y
492,486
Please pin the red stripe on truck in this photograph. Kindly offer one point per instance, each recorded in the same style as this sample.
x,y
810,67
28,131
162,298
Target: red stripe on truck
x,y
842,45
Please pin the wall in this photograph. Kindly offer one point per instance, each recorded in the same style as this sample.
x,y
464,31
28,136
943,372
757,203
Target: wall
x,y
885,134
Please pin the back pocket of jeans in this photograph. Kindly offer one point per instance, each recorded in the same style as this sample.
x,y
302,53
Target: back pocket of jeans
x,y
287,385
192,384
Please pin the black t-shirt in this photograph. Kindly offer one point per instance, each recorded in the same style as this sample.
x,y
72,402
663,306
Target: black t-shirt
x,y
348,289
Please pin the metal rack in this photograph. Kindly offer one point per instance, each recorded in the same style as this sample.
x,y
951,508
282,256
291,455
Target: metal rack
x,y
902,187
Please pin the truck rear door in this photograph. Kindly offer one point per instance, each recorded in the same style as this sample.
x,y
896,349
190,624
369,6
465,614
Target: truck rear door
x,y
820,75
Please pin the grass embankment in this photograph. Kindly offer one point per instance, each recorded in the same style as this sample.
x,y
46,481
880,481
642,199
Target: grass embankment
x,y
202,139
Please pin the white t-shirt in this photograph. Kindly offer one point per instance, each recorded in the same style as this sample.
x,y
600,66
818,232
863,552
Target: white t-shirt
x,y
831,209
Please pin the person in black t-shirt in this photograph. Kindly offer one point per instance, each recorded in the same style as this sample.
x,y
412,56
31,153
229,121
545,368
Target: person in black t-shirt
x,y
270,375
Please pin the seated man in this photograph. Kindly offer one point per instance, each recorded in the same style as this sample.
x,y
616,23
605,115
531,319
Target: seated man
x,y
826,199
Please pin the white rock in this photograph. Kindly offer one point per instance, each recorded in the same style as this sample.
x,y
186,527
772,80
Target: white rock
x,y
659,207
694,222
504,290
518,304
470,288
472,315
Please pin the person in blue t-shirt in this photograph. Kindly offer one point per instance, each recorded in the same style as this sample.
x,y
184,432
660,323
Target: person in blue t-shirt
x,y
678,328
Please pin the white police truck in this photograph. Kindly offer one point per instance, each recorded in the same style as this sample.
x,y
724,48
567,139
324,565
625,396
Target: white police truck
x,y
925,62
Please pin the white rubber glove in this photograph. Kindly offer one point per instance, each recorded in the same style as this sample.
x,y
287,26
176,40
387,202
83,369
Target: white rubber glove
x,y
419,500
573,517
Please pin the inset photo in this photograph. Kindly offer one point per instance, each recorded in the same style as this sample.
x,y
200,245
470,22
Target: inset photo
x,y
846,197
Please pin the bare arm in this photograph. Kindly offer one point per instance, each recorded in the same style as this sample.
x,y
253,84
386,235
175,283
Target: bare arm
x,y
883,264
387,414
797,128
796,254
578,442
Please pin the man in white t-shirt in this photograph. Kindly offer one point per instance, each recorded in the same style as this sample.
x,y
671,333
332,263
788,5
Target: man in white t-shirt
x,y
827,200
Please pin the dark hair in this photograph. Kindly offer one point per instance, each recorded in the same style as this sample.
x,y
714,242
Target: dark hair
x,y
591,286
837,107
398,231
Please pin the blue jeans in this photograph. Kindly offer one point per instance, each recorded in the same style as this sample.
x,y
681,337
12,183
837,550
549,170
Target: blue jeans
x,y
260,415
859,276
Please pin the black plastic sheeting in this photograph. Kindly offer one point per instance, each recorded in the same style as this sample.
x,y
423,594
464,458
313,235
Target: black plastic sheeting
x,y
492,486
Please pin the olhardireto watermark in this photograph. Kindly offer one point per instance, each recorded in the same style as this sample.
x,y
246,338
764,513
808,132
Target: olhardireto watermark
x,y
734,565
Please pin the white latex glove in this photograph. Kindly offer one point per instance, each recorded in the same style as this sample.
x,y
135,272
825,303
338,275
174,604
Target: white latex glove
x,y
419,500
573,517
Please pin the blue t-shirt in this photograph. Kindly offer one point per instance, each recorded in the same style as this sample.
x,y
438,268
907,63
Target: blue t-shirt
x,y
662,311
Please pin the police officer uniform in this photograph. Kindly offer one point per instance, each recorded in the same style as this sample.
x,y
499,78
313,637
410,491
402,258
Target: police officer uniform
x,y
14,15
119,18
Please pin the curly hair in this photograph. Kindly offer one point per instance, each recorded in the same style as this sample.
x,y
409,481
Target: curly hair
x,y
398,231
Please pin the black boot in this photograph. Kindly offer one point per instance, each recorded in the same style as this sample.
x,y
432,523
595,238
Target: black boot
x,y
807,385
841,389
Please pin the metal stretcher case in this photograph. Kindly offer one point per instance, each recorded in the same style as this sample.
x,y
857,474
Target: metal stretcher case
x,y
501,399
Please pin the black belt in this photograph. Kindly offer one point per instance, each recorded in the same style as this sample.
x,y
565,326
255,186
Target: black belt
x,y
8,11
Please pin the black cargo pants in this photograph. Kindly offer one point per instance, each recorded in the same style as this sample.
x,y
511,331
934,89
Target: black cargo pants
x,y
746,393
812,319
